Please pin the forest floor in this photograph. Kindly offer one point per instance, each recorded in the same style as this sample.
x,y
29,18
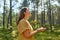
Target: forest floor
x,y
54,35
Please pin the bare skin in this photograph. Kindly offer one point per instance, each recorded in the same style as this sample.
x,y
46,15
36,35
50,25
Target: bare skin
x,y
28,33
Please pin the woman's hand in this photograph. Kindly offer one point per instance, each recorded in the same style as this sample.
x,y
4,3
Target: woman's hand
x,y
28,33
42,29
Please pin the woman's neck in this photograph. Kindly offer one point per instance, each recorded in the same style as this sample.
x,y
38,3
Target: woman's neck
x,y
25,18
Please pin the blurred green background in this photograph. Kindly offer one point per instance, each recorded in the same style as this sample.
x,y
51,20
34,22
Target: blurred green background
x,y
45,13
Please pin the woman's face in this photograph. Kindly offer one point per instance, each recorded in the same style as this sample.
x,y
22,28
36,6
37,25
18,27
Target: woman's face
x,y
27,13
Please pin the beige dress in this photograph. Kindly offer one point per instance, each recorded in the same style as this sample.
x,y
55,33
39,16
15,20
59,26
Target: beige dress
x,y
22,26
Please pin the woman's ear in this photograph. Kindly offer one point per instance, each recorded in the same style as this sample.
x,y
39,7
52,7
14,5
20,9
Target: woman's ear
x,y
24,12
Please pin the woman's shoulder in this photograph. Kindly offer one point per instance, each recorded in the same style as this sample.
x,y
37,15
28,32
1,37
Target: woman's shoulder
x,y
23,20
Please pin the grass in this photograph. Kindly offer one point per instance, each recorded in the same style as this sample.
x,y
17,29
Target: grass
x,y
47,35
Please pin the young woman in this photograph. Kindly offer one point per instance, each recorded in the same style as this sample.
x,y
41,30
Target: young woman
x,y
25,29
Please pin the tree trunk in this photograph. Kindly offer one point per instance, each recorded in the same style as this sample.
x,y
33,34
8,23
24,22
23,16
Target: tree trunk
x,y
49,15
10,15
4,12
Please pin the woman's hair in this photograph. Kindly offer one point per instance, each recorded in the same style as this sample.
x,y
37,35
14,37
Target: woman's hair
x,y
21,14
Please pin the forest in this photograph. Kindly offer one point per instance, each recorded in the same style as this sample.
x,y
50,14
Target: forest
x,y
45,13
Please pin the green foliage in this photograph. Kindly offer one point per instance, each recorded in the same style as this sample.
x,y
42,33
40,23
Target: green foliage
x,y
12,34
6,34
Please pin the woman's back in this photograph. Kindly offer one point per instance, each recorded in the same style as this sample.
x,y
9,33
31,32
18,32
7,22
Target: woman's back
x,y
22,26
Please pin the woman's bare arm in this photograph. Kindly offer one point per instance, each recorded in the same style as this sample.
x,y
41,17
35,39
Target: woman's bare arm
x,y
28,33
